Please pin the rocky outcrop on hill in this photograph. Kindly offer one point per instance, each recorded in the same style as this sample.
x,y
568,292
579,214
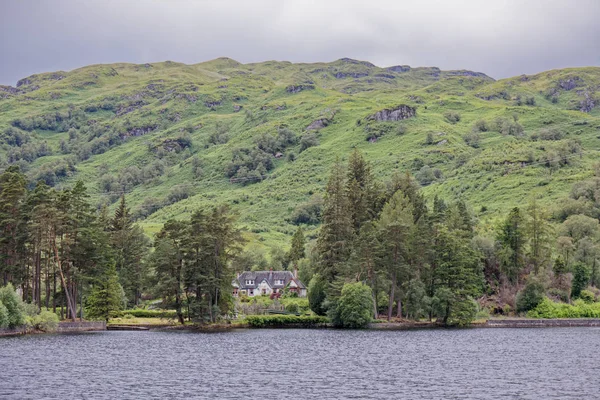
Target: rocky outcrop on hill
x,y
399,68
394,114
299,88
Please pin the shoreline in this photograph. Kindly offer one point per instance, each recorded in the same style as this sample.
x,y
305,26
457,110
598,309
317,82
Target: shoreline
x,y
63,327
381,326
92,326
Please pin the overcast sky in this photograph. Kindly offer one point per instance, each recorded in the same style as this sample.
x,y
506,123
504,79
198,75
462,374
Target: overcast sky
x,y
500,38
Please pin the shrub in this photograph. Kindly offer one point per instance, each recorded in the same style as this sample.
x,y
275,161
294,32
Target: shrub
x,y
587,296
481,126
472,139
354,308
14,306
316,294
295,304
530,296
579,309
261,321
308,213
3,316
462,312
45,321
308,140
452,117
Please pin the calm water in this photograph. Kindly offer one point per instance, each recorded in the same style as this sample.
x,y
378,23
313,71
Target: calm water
x,y
557,363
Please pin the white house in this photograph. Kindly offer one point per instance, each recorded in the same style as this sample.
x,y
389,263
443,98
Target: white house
x,y
259,283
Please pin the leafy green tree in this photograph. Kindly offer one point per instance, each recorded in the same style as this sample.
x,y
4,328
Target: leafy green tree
x,y
532,295
317,294
581,279
106,296
3,316
354,309
13,305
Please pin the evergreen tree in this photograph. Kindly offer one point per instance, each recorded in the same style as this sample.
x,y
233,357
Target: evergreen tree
x,y
106,296
396,229
538,230
12,196
297,249
457,278
336,235
130,246
512,238
360,190
581,278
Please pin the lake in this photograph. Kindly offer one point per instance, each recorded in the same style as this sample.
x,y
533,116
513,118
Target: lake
x,y
547,363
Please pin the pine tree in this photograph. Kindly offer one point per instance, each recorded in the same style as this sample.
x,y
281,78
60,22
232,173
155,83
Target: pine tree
x,y
360,190
335,237
512,237
396,229
12,196
130,246
106,296
539,231
297,249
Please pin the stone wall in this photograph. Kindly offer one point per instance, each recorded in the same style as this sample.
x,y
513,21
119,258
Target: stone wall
x,y
63,327
79,326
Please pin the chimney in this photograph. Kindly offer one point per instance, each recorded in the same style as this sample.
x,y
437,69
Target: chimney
x,y
296,271
270,274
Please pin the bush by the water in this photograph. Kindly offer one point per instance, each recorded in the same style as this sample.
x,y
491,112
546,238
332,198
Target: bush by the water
x,y
354,309
11,308
530,296
259,321
579,309
45,321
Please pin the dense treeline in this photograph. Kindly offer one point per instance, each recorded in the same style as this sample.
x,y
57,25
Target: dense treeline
x,y
432,260
57,249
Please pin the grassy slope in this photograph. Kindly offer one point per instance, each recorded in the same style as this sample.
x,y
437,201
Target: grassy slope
x,y
505,171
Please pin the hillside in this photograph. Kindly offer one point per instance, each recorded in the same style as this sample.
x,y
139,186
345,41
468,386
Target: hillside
x,y
263,136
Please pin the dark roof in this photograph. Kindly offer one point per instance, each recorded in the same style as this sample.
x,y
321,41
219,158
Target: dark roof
x,y
270,277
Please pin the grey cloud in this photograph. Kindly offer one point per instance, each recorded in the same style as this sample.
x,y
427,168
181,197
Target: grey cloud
x,y
503,38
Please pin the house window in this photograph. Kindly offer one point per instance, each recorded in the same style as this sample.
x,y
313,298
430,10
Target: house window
x,y
251,292
279,281
249,281
264,291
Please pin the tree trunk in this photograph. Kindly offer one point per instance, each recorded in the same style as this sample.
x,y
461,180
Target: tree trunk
x,y
392,291
64,283
399,311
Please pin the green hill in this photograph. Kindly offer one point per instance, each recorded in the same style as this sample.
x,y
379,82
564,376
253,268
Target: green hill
x,y
263,136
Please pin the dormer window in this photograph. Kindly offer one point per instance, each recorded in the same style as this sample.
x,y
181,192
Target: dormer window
x,y
249,281
279,281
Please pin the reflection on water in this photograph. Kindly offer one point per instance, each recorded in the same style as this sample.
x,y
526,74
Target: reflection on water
x,y
547,363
